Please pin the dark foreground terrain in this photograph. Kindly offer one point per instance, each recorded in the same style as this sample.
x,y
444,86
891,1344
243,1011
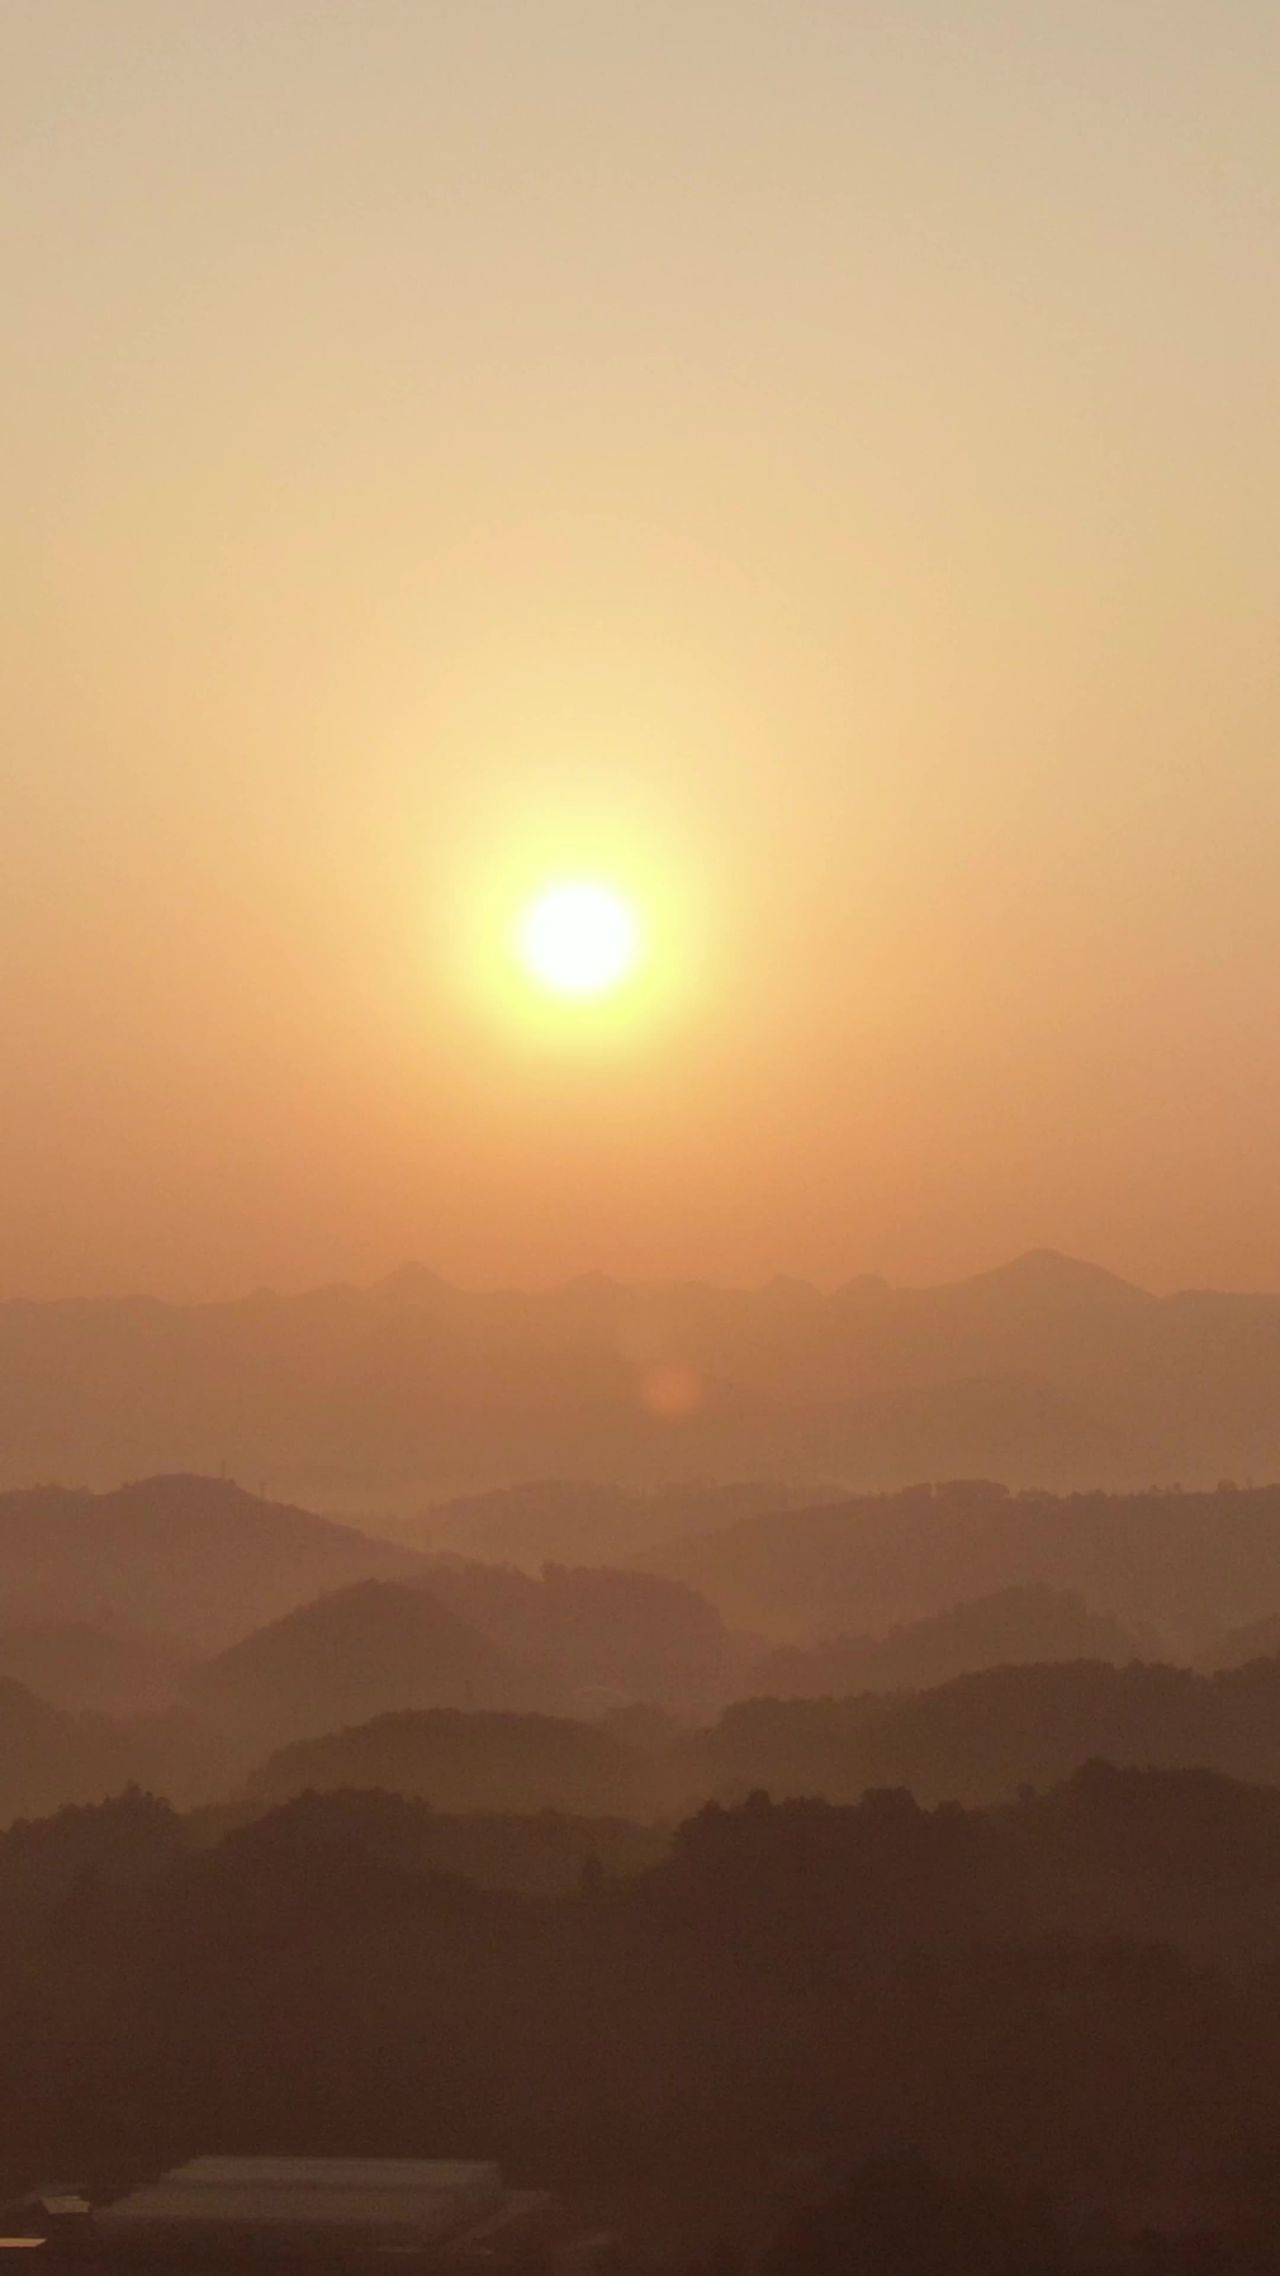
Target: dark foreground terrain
x,y
1078,1992
946,1937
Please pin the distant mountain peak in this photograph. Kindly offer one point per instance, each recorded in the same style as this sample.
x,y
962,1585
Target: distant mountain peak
x,y
1052,1269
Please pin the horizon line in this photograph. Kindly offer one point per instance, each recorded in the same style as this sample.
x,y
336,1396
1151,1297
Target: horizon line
x,y
1046,1259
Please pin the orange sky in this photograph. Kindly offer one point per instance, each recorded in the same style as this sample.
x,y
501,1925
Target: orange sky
x,y
818,460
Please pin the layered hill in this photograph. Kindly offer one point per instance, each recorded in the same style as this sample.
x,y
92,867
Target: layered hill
x,y
493,1762
1046,1372
983,1737
48,1757
1255,1640
368,1650
83,1575
1011,1627
1188,1565
194,1559
612,1637
577,1521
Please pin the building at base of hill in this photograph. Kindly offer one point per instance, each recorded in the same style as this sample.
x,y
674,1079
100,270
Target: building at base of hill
x,y
336,2216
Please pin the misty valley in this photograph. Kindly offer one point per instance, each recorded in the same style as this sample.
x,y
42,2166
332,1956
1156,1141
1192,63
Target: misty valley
x,y
808,1885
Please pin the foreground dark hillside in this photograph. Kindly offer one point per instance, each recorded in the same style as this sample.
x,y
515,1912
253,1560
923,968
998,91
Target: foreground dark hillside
x,y
1081,1992
536,1852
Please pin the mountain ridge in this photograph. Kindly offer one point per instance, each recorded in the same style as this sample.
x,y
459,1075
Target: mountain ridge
x,y
1044,1371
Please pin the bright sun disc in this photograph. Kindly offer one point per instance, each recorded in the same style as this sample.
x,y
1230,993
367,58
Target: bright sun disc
x,y
579,939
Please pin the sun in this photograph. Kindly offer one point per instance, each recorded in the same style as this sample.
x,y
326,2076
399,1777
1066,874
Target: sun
x,y
580,938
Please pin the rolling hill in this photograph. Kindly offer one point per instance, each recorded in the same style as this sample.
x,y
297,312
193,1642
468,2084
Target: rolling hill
x,y
371,1649
982,1737
491,1762
1044,1372
194,1559
612,1637
1187,1565
1011,1627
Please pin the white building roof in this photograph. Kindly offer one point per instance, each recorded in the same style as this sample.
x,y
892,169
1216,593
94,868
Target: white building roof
x,y
381,2200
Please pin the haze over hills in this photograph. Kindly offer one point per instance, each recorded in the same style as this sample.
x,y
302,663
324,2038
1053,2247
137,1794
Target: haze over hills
x,y
108,1596
484,1761
1011,1627
1173,1566
640,634
984,1735
568,1521
927,1625
194,1560
113,1596
369,1649
977,1738
611,1637
589,1689
74,1666
1045,1372
980,1737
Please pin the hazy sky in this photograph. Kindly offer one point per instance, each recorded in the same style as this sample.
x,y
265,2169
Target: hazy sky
x,y
816,459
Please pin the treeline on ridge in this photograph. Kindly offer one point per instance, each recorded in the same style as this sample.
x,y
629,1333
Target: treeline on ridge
x,y
1080,1990
977,1739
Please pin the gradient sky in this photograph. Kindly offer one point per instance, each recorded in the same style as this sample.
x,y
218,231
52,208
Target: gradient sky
x,y
818,458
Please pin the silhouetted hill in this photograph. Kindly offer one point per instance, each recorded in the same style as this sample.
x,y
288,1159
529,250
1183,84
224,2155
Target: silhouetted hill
x,y
366,1650
1046,1372
1188,1856
542,1853
1078,1992
1256,1640
196,1559
127,1840
981,1737
464,1762
1012,1626
48,1757
1189,1564
201,1559
897,2216
610,1636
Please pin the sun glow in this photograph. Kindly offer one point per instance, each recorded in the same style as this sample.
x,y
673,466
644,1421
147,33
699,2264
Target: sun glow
x,y
580,939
